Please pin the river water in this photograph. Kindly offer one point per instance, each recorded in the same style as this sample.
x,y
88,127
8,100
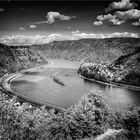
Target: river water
x,y
39,85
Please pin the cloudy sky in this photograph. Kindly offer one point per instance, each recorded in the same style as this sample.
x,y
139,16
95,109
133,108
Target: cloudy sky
x,y
48,20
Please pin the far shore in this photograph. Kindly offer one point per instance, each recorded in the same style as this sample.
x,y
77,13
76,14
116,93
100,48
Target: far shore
x,y
112,83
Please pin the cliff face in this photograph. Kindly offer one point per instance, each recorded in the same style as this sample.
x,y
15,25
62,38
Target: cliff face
x,y
89,49
13,59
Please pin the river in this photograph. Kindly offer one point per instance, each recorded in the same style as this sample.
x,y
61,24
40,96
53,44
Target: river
x,y
40,86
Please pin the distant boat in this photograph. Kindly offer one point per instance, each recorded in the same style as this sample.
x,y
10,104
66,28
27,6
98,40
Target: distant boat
x,y
59,81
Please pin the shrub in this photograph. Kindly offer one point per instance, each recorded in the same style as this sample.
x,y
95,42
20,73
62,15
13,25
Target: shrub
x,y
86,119
131,122
90,118
19,122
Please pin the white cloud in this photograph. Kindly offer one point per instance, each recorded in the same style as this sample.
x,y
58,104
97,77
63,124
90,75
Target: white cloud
x,y
116,21
123,34
109,35
109,18
98,23
129,14
33,26
75,32
52,16
38,39
21,28
120,17
123,4
104,17
137,23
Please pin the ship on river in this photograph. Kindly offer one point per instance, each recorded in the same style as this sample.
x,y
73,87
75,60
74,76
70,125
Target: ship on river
x,y
57,80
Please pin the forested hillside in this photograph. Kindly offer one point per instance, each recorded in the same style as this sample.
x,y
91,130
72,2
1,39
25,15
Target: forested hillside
x,y
13,58
108,49
125,69
91,117
128,67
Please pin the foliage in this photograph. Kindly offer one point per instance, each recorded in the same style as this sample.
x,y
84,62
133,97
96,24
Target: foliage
x,y
123,70
19,122
13,59
86,119
90,118
131,122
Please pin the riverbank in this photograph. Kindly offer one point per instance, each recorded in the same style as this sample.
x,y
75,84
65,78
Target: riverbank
x,y
86,109
112,83
40,85
6,80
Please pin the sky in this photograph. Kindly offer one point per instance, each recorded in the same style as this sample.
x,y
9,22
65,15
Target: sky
x,y
28,22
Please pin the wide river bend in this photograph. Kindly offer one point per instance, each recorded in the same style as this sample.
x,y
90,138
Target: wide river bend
x,y
39,85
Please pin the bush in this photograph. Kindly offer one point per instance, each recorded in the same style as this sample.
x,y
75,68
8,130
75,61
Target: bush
x,y
131,122
90,118
86,119
19,122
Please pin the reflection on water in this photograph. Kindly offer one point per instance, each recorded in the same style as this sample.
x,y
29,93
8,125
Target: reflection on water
x,y
40,86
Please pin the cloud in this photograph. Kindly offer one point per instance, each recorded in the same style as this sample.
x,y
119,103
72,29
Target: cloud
x,y
116,21
98,23
109,18
137,23
109,35
104,17
28,40
32,26
52,16
121,5
38,39
120,17
21,28
75,32
2,9
129,14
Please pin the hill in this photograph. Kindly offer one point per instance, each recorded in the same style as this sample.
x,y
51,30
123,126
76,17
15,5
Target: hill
x,y
119,54
125,69
17,58
92,50
122,55
128,67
